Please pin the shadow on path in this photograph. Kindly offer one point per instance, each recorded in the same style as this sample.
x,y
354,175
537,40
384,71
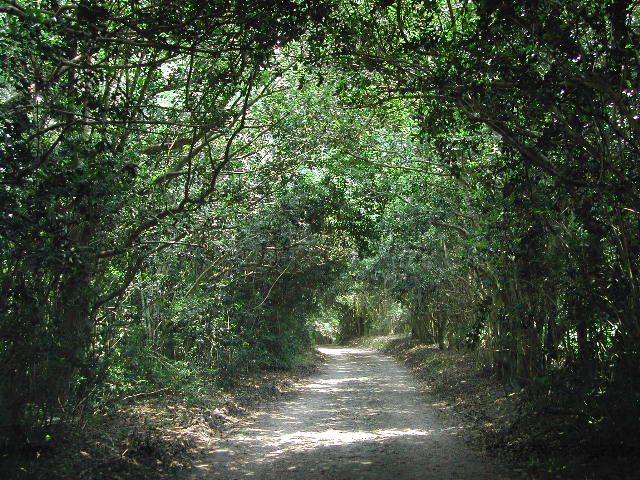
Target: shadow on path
x,y
361,418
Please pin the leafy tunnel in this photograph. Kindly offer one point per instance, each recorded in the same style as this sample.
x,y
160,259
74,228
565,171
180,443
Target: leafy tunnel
x,y
192,190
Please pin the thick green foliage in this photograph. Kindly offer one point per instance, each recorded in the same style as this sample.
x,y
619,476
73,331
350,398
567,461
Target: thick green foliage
x,y
185,192
120,125
520,234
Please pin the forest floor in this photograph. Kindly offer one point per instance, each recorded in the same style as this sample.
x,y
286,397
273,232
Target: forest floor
x,y
152,436
548,442
351,413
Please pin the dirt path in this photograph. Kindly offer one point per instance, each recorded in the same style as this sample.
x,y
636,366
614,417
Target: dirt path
x,y
361,418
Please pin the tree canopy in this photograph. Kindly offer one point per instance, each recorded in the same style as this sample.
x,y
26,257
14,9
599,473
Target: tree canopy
x,y
194,189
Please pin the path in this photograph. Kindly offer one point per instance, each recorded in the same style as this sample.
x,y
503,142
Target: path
x,y
363,417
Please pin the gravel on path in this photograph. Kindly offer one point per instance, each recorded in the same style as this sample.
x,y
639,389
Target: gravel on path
x,y
362,417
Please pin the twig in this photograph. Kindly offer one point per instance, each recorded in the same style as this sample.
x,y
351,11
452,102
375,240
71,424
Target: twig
x,y
144,393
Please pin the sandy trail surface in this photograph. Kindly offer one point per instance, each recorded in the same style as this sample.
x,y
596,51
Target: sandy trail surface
x,y
362,417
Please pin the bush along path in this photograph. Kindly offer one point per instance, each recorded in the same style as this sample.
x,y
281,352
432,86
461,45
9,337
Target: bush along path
x,y
154,436
363,417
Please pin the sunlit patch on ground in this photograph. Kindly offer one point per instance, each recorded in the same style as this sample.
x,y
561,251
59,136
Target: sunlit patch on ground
x,y
362,418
